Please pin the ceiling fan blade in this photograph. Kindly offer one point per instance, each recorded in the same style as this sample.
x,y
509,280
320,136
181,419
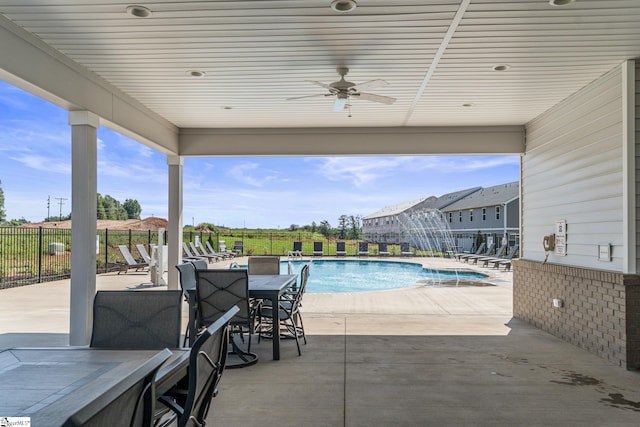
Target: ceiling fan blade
x,y
375,98
370,84
339,104
308,96
324,85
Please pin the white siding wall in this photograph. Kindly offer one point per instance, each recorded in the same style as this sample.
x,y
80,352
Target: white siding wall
x,y
637,164
573,170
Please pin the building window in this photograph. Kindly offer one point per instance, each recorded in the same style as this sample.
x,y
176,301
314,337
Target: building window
x,y
460,216
484,214
471,215
450,217
497,212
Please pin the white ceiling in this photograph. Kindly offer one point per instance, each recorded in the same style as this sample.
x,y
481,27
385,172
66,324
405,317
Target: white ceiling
x,y
436,56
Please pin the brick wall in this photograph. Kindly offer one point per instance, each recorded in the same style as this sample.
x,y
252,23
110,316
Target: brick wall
x,y
601,310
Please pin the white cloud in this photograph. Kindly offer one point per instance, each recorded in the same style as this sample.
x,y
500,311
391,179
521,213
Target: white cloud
x,y
250,173
358,170
44,164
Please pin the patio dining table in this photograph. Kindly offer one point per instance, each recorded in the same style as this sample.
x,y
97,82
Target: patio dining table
x,y
50,384
261,286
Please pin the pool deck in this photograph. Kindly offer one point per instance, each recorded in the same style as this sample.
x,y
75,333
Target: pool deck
x,y
419,356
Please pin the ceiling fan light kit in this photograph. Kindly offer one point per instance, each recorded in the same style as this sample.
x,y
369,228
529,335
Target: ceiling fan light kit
x,y
343,90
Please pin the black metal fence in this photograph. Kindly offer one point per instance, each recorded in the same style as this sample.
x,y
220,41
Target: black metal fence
x,y
33,255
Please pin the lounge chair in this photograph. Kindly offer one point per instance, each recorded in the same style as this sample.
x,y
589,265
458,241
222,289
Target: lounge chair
x,y
187,254
340,249
473,257
382,249
132,263
405,249
198,253
317,249
223,253
296,252
142,250
506,261
363,249
464,255
499,254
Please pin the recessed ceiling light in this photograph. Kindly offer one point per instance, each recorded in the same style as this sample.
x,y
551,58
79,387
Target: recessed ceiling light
x,y
196,73
343,5
468,104
138,11
560,2
502,67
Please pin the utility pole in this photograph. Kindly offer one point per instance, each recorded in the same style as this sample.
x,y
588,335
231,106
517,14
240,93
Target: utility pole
x,y
61,200
48,208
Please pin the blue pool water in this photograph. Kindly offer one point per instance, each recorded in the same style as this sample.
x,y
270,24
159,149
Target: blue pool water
x,y
330,276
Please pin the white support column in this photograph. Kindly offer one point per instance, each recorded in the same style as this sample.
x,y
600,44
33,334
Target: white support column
x,y
84,163
629,167
176,164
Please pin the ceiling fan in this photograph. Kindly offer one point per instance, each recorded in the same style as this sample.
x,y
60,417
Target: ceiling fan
x,y
343,90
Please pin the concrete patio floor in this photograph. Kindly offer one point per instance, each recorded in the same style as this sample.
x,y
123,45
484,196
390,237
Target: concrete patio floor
x,y
421,356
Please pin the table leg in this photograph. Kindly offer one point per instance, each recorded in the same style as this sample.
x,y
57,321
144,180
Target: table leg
x,y
275,303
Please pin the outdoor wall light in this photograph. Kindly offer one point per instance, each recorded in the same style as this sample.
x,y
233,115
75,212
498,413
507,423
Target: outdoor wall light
x,y
558,303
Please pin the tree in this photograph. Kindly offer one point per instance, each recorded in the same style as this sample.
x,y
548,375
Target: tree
x,y
324,228
3,213
343,222
355,231
100,211
133,209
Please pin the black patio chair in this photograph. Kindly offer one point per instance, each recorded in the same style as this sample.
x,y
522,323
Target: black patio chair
x,y
187,276
131,402
207,361
340,249
291,323
317,249
136,319
217,291
263,265
382,249
363,249
405,249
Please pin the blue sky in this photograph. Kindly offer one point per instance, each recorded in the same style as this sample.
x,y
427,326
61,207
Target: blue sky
x,y
252,192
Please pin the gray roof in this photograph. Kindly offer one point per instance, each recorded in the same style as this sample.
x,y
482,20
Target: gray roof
x,y
399,208
491,196
470,198
449,198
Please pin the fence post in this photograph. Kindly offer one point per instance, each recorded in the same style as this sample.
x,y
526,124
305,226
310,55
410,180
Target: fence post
x,y
40,254
106,250
130,239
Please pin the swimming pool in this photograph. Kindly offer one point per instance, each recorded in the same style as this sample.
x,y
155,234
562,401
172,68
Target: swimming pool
x,y
330,276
